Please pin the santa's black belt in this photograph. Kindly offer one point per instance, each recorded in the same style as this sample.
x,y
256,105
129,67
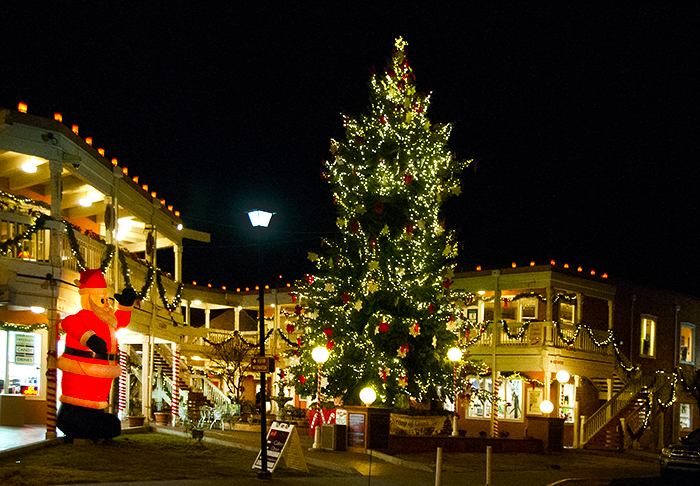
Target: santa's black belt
x,y
90,354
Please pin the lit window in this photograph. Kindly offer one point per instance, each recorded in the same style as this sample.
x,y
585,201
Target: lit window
x,y
528,309
510,405
567,401
687,340
648,337
567,311
685,416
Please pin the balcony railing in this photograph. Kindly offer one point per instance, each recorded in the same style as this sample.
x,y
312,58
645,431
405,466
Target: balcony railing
x,y
541,333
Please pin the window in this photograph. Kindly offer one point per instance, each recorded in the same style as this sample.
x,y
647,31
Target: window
x,y
21,362
510,405
528,309
567,402
648,337
685,418
687,342
567,312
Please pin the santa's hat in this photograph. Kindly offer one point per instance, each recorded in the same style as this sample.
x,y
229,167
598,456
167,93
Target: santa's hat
x,y
91,282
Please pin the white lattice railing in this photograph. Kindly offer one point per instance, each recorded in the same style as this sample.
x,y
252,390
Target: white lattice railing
x,y
211,392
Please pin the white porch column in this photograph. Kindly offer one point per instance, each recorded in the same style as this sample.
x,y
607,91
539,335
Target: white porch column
x,y
577,424
146,378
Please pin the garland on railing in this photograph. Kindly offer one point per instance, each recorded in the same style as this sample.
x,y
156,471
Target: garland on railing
x,y
621,359
521,332
143,293
170,307
649,402
482,330
286,340
75,250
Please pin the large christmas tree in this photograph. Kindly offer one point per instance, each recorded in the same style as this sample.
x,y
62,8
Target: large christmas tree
x,y
380,300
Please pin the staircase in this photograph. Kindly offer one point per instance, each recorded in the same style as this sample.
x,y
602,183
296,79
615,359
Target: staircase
x,y
600,431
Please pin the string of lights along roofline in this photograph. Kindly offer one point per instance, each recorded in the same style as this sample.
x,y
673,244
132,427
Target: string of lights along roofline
x,y
22,107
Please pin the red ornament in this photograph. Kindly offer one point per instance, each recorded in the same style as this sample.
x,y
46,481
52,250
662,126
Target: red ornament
x,y
505,302
309,278
407,178
447,284
294,297
346,298
302,380
410,228
328,332
383,326
290,328
329,345
354,226
373,242
431,308
297,310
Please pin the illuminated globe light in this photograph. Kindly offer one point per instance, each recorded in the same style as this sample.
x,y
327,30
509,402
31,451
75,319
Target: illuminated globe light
x,y
454,354
546,406
368,396
320,354
563,376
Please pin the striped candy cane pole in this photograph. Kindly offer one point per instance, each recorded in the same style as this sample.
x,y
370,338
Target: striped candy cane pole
x,y
175,403
561,401
496,383
122,382
51,373
51,381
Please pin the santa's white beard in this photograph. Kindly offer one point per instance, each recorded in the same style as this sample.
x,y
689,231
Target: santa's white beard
x,y
105,314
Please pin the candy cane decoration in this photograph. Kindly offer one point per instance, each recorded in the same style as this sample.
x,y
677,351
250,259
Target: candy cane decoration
x,y
494,411
174,404
122,381
51,381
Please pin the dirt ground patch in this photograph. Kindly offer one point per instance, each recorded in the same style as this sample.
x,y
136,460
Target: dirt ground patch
x,y
138,457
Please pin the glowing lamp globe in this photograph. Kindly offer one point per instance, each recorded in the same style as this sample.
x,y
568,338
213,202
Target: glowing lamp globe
x,y
320,354
259,217
368,396
546,406
563,376
454,354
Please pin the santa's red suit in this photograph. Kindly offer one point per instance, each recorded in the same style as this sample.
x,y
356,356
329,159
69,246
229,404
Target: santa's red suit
x,y
87,376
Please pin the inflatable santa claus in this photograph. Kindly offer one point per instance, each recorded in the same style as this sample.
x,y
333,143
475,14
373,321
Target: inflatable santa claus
x,y
90,360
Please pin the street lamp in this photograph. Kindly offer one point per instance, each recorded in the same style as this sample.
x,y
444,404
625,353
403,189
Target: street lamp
x,y
262,219
454,355
368,396
319,354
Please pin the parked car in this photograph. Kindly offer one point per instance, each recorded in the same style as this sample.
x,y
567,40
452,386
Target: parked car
x,y
683,457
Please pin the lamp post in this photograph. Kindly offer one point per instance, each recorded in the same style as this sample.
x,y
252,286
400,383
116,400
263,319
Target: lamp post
x,y
454,355
260,218
319,354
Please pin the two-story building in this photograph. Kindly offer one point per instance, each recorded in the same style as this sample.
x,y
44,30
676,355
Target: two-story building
x,y
597,351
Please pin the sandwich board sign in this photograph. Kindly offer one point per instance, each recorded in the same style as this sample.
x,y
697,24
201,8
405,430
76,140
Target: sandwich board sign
x,y
282,439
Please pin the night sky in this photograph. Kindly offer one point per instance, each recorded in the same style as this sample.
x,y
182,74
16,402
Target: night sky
x,y
582,120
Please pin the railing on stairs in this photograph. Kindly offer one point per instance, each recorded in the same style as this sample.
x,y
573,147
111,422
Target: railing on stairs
x,y
212,392
613,407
